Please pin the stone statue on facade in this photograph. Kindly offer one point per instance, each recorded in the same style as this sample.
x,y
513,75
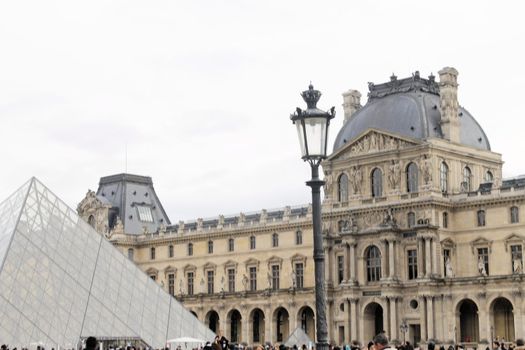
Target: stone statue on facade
x,y
202,285
245,282
448,268
394,174
481,266
119,227
269,281
327,184
222,284
426,170
181,287
294,279
356,178
517,265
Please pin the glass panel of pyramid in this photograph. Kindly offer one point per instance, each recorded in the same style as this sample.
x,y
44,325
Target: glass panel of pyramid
x,y
60,280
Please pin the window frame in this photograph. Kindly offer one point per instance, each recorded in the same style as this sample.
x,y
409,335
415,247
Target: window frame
x,y
171,251
299,275
443,177
275,240
152,253
253,242
412,178
514,215
210,246
276,276
231,244
190,249
484,252
298,237
376,182
342,188
373,264
481,218
412,272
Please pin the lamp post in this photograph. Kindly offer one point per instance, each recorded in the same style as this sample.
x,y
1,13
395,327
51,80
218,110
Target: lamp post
x,y
312,129
404,329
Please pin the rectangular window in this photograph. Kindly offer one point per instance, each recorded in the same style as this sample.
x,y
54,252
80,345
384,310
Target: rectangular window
x,y
299,275
210,274
210,247
412,264
170,251
514,215
231,280
190,283
517,258
275,277
253,278
152,253
231,245
340,268
190,249
252,242
483,261
171,283
446,257
145,214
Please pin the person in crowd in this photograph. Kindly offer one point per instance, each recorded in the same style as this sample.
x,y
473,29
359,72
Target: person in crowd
x,y
381,341
91,343
431,345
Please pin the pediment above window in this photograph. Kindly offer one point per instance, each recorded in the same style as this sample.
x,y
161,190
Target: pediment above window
x,y
513,239
480,242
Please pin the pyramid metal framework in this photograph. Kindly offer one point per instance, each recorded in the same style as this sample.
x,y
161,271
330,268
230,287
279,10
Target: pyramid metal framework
x,y
60,280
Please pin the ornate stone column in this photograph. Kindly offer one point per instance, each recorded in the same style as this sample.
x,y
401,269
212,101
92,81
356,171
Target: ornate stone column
x,y
353,319
268,329
518,316
353,262
434,252
483,315
393,318
423,318
428,263
420,254
391,258
347,321
430,317
383,259
245,333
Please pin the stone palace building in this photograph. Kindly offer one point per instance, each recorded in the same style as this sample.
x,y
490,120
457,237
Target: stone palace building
x,y
423,237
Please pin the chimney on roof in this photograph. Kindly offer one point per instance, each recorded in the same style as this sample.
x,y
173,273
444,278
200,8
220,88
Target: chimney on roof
x,y
448,92
351,103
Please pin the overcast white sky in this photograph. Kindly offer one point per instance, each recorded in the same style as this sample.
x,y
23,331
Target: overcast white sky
x,y
201,91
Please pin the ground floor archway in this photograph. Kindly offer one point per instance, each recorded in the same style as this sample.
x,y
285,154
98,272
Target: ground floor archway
x,y
281,324
234,324
468,321
373,320
502,314
212,320
306,320
256,327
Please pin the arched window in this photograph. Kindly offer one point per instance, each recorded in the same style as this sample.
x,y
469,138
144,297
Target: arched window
x,y
190,249
489,177
373,264
252,242
152,253
377,182
412,177
298,237
481,218
210,247
231,245
411,219
443,177
342,186
275,240
445,220
467,180
131,254
170,251
514,215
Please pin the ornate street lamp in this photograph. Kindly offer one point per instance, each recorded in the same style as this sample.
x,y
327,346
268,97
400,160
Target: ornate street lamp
x,y
404,329
312,128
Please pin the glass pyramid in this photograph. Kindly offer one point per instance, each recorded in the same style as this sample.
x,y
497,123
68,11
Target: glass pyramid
x,y
60,280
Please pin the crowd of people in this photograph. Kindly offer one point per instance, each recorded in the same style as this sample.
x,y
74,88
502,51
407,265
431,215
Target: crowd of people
x,y
380,342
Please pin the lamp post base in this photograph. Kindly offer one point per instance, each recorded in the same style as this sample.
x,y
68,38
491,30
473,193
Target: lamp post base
x,y
322,346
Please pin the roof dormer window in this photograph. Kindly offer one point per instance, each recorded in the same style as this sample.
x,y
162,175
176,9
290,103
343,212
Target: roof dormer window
x,y
145,214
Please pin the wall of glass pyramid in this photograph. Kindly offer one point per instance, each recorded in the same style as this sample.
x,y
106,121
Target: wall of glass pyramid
x,y
60,280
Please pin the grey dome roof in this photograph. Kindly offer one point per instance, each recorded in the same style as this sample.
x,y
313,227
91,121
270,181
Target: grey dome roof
x,y
410,108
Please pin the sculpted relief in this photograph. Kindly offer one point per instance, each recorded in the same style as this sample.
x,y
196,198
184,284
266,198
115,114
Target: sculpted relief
x,y
356,179
375,142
